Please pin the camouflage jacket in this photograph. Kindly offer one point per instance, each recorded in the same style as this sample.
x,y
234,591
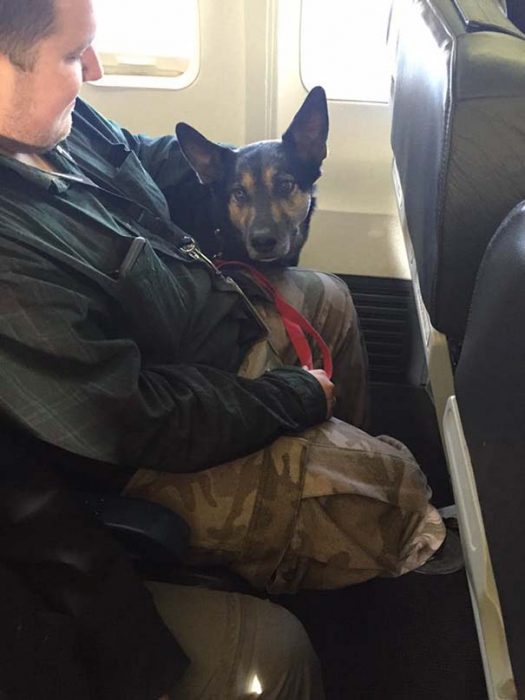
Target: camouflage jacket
x,y
117,341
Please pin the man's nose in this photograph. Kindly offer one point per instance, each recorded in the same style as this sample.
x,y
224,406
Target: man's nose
x,y
91,66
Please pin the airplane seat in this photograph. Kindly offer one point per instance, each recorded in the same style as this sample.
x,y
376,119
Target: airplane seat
x,y
490,405
148,532
157,539
458,138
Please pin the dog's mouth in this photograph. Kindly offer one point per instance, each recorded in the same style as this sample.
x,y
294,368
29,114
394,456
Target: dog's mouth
x,y
270,256
267,259
267,248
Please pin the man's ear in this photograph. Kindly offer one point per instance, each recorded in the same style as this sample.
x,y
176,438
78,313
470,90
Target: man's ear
x,y
308,132
205,157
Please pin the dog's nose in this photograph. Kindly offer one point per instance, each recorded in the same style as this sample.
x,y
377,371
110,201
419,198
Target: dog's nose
x,y
264,241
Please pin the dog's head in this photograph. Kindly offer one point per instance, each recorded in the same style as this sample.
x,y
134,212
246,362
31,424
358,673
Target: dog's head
x,y
262,193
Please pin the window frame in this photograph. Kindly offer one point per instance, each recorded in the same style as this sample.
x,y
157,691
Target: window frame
x,y
122,69
337,98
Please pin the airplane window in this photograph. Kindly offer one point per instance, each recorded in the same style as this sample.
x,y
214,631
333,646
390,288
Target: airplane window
x,y
343,48
160,42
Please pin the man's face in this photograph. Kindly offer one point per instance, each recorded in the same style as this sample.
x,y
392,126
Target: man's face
x,y
36,104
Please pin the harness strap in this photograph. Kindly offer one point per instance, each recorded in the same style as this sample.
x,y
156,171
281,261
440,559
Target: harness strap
x,y
295,323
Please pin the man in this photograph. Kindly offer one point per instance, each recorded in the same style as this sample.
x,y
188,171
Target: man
x,y
120,343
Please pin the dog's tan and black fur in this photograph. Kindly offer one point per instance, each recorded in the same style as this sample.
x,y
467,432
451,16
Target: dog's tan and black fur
x,y
260,197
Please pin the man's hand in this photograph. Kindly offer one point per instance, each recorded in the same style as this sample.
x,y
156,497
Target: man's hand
x,y
327,387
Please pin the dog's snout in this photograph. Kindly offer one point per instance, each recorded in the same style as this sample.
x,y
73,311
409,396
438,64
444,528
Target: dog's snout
x,y
264,240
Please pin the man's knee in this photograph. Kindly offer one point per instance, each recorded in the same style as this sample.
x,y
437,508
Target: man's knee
x,y
284,662
313,285
241,647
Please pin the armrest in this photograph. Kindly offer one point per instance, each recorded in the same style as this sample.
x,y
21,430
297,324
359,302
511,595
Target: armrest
x,y
148,531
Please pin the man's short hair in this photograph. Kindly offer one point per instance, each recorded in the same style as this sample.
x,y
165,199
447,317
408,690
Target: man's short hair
x,y
22,24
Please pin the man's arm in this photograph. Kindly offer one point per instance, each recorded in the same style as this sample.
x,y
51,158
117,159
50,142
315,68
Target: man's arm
x,y
71,379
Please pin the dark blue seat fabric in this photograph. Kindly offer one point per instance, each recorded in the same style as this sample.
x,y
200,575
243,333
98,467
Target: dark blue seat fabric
x,y
490,390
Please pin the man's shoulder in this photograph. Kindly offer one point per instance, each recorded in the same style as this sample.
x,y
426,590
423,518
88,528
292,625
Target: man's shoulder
x,y
89,126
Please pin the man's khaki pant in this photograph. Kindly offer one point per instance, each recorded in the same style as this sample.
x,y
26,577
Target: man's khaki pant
x,y
241,648
324,509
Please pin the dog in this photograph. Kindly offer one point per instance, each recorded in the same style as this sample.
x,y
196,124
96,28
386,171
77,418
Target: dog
x,y
255,202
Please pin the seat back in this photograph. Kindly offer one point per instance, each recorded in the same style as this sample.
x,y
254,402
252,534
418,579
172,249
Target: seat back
x,y
458,137
490,393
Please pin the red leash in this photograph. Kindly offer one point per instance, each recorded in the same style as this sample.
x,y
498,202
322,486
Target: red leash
x,y
296,324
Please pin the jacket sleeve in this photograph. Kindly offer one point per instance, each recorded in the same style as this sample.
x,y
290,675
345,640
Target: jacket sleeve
x,y
71,379
79,589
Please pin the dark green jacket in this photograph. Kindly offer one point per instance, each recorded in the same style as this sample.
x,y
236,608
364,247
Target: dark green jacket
x,y
116,344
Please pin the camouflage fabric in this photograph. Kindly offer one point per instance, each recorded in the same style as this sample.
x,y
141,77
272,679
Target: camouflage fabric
x,y
325,509
326,302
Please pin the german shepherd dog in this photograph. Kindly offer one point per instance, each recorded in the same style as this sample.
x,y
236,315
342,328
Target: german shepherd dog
x,y
256,201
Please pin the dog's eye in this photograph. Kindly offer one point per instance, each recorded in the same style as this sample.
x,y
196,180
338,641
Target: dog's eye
x,y
284,188
240,195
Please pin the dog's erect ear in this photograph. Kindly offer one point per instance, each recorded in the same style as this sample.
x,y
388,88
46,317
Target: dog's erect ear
x,y
308,131
205,157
